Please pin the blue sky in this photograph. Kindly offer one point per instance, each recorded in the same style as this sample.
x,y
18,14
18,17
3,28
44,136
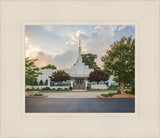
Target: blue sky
x,y
58,44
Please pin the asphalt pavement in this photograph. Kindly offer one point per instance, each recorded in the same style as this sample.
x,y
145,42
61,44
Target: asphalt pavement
x,y
79,105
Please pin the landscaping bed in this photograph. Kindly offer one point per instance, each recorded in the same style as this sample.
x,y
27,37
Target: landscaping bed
x,y
36,95
117,96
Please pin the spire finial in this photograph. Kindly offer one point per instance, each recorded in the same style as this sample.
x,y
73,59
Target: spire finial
x,y
79,42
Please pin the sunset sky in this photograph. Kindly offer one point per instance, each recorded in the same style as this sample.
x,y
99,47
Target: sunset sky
x,y
58,44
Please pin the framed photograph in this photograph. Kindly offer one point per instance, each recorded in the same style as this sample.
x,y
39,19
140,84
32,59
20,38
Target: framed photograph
x,y
89,65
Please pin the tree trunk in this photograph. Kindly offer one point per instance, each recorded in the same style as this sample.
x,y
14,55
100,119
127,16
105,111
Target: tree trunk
x,y
122,87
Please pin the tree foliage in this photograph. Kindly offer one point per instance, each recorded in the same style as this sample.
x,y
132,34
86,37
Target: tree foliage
x,y
89,59
41,82
46,82
50,66
60,76
31,71
120,61
98,75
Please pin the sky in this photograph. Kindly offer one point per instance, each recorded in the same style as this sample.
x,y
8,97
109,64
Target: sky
x,y
58,44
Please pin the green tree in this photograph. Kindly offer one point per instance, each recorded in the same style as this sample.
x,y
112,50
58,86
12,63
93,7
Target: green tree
x,y
50,66
35,82
60,76
98,75
89,59
120,61
46,82
31,71
41,82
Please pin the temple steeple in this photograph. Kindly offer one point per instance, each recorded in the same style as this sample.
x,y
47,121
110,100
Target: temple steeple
x,y
79,53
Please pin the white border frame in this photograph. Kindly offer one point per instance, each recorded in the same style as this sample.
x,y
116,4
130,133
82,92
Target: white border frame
x,y
82,22
25,119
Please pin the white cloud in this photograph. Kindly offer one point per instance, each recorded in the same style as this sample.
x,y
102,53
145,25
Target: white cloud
x,y
98,43
48,28
121,27
79,35
66,60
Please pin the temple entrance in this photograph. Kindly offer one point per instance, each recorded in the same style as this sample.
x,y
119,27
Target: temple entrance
x,y
79,83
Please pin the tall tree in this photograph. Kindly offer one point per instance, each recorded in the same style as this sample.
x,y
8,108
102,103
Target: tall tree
x,y
49,66
120,61
89,59
98,75
59,76
31,71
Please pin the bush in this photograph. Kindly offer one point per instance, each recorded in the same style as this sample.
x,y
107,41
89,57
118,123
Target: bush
x,y
108,94
66,89
38,94
132,91
113,87
118,91
59,89
41,82
53,89
46,82
46,88
88,88
70,88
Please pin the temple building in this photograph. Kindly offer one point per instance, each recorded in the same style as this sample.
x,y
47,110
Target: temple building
x,y
79,73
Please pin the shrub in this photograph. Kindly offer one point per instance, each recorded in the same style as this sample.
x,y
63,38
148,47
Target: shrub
x,y
53,89
132,91
113,87
118,91
46,88
46,82
108,94
59,89
38,94
70,88
88,87
41,82
66,89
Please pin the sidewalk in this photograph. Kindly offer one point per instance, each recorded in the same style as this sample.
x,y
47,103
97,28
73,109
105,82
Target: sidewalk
x,y
84,94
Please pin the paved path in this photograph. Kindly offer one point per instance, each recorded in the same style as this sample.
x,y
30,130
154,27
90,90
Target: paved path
x,y
84,94
79,105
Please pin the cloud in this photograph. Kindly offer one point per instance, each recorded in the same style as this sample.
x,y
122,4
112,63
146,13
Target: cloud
x,y
66,60
121,27
48,28
64,56
78,35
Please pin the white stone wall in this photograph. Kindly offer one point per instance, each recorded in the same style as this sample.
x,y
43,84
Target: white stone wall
x,y
102,87
43,86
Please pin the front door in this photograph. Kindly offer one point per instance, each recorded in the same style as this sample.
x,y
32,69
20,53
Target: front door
x,y
79,84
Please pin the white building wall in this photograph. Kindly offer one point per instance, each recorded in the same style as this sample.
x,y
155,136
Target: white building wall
x,y
48,72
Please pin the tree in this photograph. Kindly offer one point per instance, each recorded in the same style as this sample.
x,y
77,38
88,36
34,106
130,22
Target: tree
x,y
41,82
59,76
88,59
49,66
31,71
46,82
120,61
98,75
